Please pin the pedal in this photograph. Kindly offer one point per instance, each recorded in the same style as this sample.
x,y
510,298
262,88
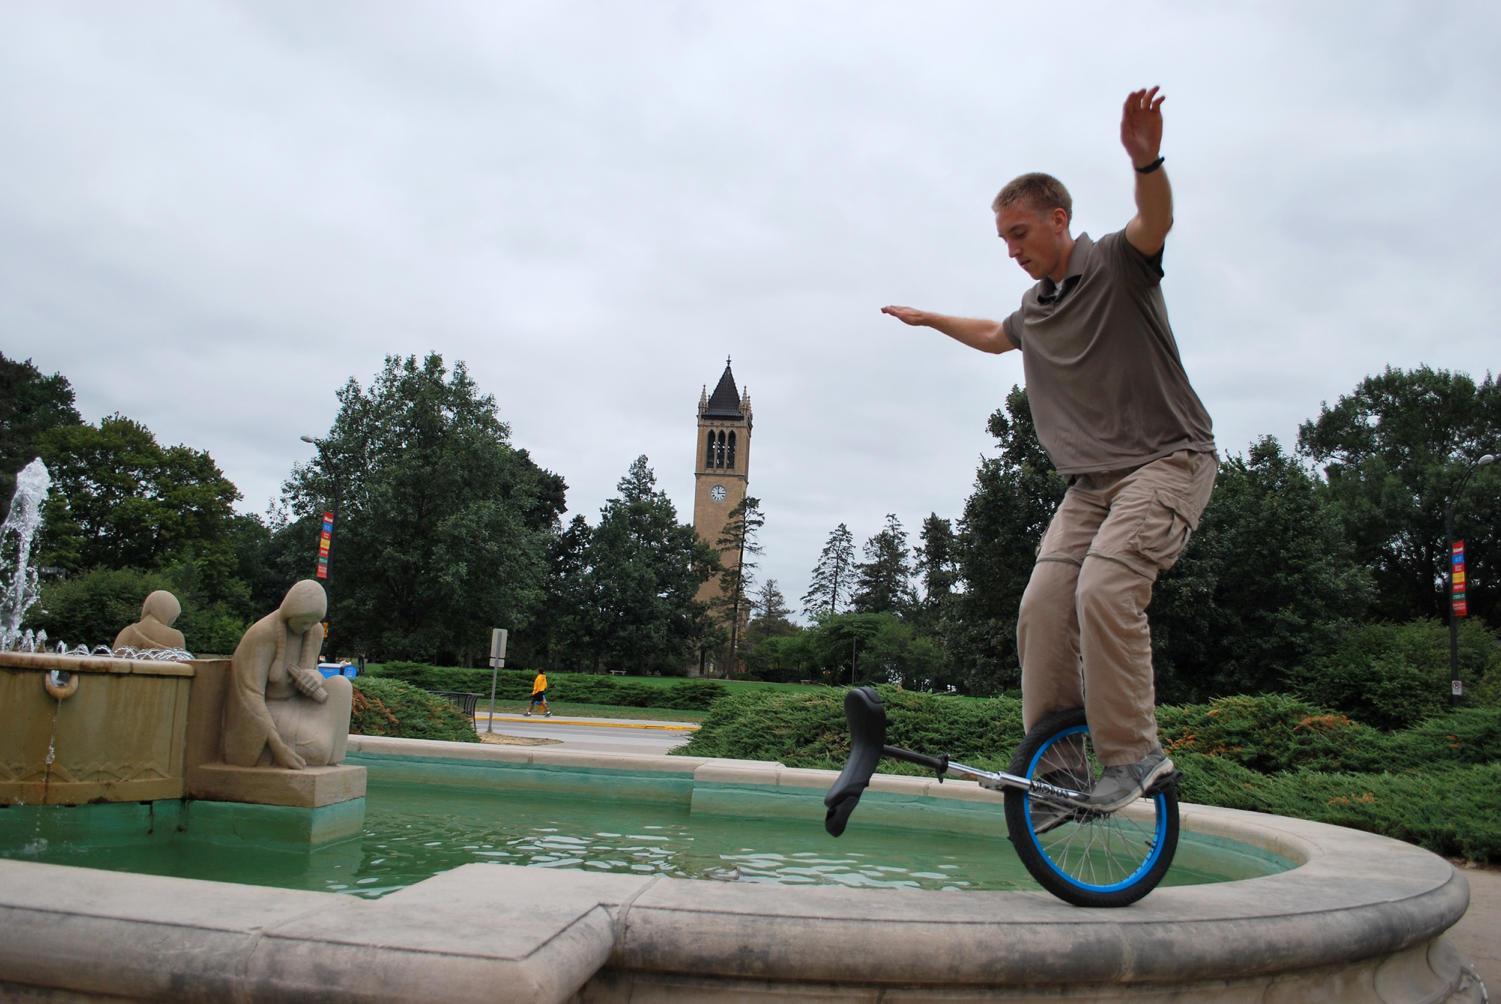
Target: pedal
x,y
1166,781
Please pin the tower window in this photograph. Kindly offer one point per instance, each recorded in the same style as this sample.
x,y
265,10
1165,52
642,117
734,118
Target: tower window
x,y
709,450
730,456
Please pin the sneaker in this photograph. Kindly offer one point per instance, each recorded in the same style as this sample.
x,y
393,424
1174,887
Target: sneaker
x,y
526,714
548,715
1121,785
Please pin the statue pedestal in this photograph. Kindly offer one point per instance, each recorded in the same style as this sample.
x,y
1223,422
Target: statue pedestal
x,y
275,807
309,788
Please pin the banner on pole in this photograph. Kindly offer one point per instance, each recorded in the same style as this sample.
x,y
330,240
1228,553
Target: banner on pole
x,y
1458,598
325,540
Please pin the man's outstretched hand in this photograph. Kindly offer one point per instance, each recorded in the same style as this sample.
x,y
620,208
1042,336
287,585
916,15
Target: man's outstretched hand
x,y
907,315
1141,126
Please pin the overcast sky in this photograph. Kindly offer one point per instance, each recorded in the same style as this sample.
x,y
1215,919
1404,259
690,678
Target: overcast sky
x,y
212,214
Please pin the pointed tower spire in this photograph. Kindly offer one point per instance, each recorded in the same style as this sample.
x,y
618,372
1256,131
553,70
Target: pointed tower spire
x,y
725,401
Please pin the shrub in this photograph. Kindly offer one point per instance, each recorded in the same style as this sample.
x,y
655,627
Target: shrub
x,y
385,707
1391,675
1448,810
1271,732
808,728
1463,736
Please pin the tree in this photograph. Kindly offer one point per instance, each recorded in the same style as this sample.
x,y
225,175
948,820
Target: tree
x,y
441,525
563,633
766,649
832,575
883,581
30,405
1393,451
1014,498
1267,583
770,608
936,566
121,500
738,538
645,569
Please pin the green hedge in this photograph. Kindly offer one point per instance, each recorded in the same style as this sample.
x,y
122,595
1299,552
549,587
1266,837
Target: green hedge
x,y
1436,784
807,729
576,688
393,708
1450,810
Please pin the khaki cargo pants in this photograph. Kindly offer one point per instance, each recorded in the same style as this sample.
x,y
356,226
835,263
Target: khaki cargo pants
x,y
1082,632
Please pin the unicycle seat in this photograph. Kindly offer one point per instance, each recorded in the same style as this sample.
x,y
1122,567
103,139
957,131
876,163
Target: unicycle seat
x,y
866,716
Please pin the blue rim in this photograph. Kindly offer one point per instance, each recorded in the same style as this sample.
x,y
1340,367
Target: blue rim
x,y
1159,837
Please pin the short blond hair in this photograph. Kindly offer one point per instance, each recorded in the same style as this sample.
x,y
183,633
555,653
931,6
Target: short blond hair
x,y
1042,192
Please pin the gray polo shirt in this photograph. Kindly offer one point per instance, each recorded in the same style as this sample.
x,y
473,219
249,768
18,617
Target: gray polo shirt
x,y
1104,379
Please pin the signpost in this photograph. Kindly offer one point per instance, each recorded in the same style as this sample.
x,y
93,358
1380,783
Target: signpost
x,y
497,661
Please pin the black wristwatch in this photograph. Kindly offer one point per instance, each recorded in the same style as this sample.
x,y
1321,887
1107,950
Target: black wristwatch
x,y
1149,168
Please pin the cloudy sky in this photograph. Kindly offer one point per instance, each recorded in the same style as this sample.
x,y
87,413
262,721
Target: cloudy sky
x,y
212,214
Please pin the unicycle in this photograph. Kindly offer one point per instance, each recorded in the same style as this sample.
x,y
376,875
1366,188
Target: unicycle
x,y
1083,856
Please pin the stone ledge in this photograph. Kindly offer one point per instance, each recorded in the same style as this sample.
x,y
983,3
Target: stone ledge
x,y
309,788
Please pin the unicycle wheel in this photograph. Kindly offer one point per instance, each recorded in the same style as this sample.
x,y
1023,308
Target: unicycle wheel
x,y
1086,858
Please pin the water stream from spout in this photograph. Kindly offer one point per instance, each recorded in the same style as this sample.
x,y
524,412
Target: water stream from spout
x,y
18,578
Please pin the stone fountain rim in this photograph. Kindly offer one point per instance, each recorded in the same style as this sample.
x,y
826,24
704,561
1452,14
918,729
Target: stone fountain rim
x,y
1356,902
103,664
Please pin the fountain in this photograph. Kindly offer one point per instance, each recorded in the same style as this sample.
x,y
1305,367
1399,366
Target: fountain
x,y
139,745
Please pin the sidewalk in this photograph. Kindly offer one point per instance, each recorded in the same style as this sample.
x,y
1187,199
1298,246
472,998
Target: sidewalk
x,y
614,723
1478,934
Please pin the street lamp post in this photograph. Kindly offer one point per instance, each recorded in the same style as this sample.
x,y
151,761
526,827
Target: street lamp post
x,y
1454,496
333,478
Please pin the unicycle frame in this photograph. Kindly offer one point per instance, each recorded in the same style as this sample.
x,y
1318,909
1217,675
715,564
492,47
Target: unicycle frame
x,y
996,780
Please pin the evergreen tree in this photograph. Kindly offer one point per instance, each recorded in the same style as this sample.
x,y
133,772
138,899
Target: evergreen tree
x,y
883,581
564,633
738,547
769,606
935,563
646,569
1004,518
832,576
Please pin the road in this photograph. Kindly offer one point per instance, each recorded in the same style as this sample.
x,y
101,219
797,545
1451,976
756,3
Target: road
x,y
594,735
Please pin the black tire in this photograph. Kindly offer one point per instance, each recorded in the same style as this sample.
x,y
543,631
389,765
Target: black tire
x,y
1092,859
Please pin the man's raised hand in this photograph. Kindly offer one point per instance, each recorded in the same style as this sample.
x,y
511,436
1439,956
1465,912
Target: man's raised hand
x,y
907,315
1141,126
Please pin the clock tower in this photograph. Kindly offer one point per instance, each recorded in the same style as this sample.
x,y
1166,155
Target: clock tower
x,y
721,466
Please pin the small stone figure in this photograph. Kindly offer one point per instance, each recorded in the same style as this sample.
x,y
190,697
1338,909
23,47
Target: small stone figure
x,y
279,709
154,629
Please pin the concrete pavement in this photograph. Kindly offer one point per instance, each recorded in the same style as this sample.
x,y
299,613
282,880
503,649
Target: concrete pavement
x,y
623,736
1478,933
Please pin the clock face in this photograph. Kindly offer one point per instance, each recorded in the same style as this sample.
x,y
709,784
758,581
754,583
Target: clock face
x,y
717,493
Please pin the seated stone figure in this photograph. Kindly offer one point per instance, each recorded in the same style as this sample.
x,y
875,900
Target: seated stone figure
x,y
154,629
279,709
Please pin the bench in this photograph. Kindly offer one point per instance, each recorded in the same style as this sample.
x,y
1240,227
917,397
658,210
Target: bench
x,y
466,701
617,672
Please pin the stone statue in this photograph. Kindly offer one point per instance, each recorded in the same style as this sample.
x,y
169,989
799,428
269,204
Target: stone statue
x,y
154,629
279,709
